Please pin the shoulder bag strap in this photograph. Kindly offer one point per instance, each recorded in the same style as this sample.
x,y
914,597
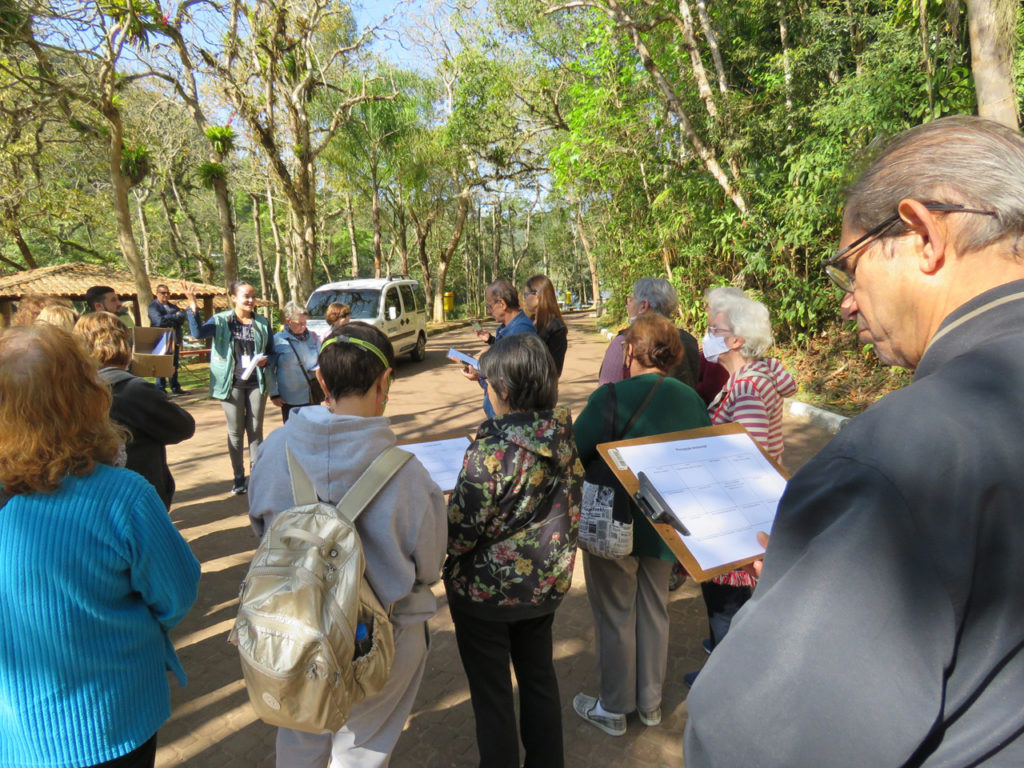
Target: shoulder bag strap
x,y
305,373
643,406
611,414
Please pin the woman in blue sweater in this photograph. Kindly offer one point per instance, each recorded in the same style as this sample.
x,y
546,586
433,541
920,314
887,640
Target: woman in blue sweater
x,y
93,574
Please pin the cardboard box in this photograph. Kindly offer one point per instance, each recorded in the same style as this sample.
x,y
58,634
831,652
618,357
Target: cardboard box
x,y
146,341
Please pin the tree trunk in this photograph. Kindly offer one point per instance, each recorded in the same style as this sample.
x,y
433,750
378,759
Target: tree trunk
x,y
350,218
496,219
696,65
278,246
122,211
257,227
174,241
227,230
147,255
445,256
992,26
595,283
376,223
787,63
712,38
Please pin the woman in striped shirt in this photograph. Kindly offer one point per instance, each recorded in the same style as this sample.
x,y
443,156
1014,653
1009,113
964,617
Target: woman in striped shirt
x,y
739,334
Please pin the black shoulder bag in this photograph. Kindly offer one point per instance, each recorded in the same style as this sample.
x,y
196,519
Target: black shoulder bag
x,y
606,518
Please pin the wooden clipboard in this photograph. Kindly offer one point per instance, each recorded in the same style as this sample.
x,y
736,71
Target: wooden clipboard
x,y
630,482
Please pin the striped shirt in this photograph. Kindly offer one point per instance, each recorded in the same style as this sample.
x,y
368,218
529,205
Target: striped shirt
x,y
753,397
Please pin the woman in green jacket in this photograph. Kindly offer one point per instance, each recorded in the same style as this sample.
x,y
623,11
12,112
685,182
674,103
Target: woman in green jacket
x,y
629,596
241,339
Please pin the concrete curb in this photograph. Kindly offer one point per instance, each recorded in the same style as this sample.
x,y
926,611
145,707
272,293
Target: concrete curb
x,y
827,420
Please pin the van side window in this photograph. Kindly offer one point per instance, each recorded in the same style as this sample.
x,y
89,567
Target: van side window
x,y
407,299
391,300
421,299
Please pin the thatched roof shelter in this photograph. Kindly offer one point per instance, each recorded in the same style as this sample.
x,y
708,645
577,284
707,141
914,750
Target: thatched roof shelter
x,y
71,281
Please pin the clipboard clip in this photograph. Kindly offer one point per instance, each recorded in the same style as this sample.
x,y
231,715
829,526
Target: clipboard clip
x,y
654,506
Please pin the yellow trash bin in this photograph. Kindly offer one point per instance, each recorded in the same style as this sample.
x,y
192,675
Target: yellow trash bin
x,y
449,301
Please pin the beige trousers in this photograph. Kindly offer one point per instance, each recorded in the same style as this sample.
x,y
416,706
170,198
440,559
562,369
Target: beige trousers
x,y
629,599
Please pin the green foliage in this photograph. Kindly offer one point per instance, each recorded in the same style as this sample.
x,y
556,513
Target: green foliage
x,y
135,163
211,173
222,137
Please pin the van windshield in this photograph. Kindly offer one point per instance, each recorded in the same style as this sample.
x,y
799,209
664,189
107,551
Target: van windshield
x,y
363,302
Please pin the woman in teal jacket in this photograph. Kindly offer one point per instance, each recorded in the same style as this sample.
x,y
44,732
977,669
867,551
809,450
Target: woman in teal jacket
x,y
629,596
240,337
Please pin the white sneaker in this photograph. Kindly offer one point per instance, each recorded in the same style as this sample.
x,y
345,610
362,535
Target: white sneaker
x,y
613,725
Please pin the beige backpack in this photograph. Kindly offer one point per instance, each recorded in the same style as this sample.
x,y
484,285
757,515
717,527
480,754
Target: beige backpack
x,y
300,605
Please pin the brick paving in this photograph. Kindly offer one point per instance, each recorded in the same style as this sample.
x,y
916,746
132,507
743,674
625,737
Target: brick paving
x,y
212,724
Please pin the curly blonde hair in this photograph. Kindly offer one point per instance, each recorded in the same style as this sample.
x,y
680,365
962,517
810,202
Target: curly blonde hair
x,y
106,339
54,412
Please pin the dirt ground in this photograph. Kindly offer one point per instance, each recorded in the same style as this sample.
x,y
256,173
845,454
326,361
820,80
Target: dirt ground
x,y
213,726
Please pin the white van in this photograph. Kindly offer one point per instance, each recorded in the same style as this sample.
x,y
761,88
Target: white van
x,y
395,306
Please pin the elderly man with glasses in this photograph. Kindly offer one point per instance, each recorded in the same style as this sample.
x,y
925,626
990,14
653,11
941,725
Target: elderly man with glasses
x,y
888,625
164,314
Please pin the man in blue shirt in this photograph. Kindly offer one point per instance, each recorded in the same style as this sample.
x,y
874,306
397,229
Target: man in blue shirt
x,y
502,301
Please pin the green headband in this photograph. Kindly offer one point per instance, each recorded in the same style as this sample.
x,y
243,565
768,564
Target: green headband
x,y
359,343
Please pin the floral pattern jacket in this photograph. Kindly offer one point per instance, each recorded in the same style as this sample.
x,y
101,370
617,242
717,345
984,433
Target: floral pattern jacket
x,y
513,517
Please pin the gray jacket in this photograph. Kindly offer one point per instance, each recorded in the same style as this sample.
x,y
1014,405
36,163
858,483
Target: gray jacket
x,y
888,627
403,531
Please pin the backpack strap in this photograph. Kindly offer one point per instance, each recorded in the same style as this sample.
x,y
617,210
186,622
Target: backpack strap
x,y
362,492
371,482
303,492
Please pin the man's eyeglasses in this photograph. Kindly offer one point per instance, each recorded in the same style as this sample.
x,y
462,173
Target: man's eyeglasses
x,y
715,330
843,277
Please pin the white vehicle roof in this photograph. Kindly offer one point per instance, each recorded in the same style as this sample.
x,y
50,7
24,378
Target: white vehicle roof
x,y
369,282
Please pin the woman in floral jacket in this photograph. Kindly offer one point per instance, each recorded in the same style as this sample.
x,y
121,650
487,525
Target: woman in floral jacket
x,y
512,528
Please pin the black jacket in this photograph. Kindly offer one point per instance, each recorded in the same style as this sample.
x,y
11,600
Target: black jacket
x,y
154,423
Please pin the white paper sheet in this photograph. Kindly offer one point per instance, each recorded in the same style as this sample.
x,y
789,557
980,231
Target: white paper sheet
x,y
255,361
163,345
441,458
721,488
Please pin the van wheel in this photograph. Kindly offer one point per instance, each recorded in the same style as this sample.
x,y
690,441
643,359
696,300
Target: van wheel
x,y
419,352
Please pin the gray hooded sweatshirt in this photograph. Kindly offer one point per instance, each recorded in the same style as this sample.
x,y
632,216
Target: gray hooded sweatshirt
x,y
403,530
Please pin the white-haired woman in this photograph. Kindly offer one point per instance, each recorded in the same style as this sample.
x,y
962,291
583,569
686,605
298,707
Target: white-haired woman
x,y
294,383
739,334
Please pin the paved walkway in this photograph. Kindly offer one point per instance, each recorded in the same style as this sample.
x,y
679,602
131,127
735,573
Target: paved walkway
x,y
213,726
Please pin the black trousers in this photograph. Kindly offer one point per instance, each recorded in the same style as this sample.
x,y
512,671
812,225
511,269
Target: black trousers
x,y
140,757
723,602
486,648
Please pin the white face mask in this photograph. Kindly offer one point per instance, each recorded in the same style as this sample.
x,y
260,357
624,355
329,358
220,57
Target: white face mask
x,y
713,347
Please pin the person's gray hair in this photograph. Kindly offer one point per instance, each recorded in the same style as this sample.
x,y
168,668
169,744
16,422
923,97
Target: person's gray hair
x,y
521,368
961,159
659,294
748,319
503,290
293,310
714,297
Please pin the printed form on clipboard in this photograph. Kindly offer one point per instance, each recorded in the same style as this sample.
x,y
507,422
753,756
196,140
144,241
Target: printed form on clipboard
x,y
720,488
